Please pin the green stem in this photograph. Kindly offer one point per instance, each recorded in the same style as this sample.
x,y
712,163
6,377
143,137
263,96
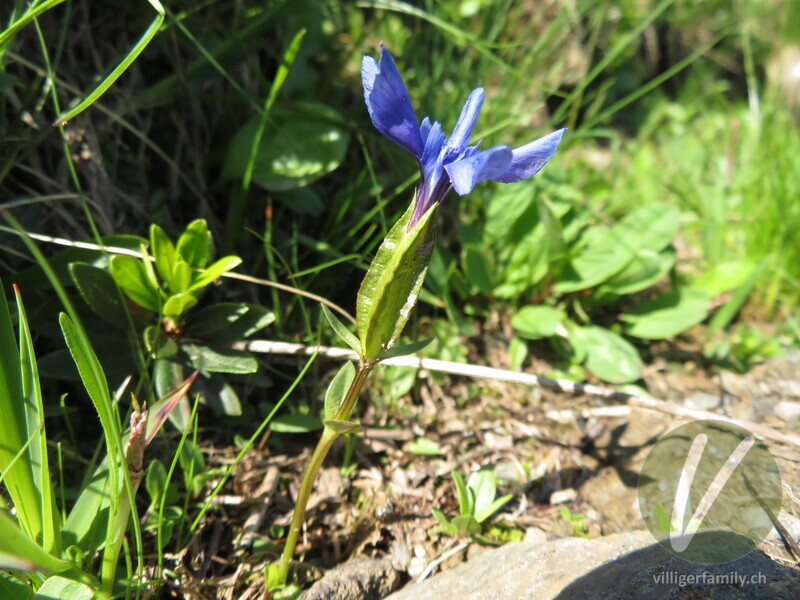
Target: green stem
x,y
312,469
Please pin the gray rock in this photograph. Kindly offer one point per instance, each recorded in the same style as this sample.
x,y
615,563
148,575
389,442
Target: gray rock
x,y
359,579
624,565
703,401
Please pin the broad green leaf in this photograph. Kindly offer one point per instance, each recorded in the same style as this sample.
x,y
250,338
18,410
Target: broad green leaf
x,y
341,330
181,276
424,447
724,276
483,485
97,288
591,268
219,395
337,390
220,361
536,322
407,349
551,224
61,588
12,588
296,423
214,271
18,551
466,525
477,269
155,481
646,268
342,427
390,289
256,318
178,304
131,275
608,355
195,244
164,254
517,353
215,317
296,148
651,227
667,315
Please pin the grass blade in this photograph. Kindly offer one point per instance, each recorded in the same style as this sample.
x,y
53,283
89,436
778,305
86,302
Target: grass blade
x,y
126,62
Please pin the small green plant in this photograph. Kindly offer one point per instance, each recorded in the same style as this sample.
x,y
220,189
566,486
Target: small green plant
x,y
576,520
164,286
41,551
477,501
578,284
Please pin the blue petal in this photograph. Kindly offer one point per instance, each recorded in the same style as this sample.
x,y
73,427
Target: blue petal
x,y
469,114
388,102
434,140
466,172
530,158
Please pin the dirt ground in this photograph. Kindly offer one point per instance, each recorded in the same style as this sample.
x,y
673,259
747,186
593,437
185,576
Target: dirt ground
x,y
550,449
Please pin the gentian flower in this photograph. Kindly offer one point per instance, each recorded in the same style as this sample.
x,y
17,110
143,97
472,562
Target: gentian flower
x,y
445,163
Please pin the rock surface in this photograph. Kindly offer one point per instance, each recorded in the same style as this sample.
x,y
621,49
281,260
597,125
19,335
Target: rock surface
x,y
360,579
624,565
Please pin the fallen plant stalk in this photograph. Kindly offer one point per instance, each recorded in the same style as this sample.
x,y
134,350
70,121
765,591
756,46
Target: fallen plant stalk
x,y
562,385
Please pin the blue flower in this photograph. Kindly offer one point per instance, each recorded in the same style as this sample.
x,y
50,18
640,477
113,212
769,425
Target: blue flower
x,y
445,163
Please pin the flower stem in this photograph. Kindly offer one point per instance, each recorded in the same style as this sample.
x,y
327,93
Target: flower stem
x,y
312,469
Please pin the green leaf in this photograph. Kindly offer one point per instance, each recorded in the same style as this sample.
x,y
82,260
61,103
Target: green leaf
x,y
181,276
94,380
37,460
220,361
537,322
164,254
465,499
155,481
296,148
18,551
517,353
446,525
608,355
167,376
61,588
726,314
195,244
178,304
483,485
724,276
466,525
214,271
131,275
477,269
646,268
424,447
407,349
215,317
341,330
97,288
297,423
667,315
337,390
390,289
256,318
12,588
343,427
